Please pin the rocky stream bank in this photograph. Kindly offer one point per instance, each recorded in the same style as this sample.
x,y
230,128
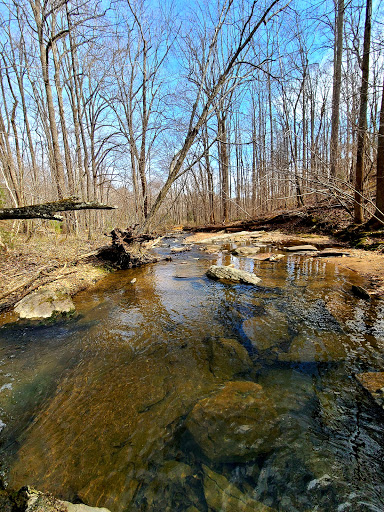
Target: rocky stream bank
x,y
227,418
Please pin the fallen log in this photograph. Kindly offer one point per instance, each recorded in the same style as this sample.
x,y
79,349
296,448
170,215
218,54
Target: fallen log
x,y
48,210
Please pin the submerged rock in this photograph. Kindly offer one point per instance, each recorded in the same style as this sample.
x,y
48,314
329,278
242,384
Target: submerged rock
x,y
232,274
222,495
373,382
44,303
267,331
309,347
229,358
235,424
173,488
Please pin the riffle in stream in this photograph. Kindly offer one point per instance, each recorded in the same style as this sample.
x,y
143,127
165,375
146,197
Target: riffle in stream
x,y
179,393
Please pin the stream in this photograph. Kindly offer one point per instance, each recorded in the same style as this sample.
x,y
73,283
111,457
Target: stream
x,y
179,393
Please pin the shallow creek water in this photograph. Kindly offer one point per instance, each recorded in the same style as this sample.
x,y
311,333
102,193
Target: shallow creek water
x,y
96,409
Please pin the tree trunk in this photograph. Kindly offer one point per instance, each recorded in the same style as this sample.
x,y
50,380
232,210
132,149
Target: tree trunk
x,y
380,165
359,174
335,119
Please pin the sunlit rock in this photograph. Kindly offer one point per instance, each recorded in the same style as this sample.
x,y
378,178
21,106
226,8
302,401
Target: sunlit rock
x,y
212,249
222,495
300,248
31,500
245,251
44,303
176,250
332,252
373,382
232,274
234,424
310,347
268,256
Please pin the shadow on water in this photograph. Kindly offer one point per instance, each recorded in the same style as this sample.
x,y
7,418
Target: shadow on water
x,y
124,405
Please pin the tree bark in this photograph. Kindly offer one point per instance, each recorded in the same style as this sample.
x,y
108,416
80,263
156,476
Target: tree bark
x,y
359,173
380,165
335,119
48,210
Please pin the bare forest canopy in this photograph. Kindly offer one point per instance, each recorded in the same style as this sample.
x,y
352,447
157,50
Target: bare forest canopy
x,y
197,112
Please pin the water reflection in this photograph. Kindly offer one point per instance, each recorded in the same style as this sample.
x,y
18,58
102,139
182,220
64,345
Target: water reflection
x,y
96,409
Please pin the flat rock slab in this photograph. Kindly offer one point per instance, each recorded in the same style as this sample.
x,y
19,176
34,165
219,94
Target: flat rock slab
x,y
268,256
231,237
37,501
176,250
300,248
373,382
245,251
232,274
332,252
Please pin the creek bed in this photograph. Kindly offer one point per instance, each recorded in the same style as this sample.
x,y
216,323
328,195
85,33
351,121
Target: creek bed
x,y
104,408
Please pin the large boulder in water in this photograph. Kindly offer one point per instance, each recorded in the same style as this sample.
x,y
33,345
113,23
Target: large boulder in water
x,y
44,303
232,274
235,424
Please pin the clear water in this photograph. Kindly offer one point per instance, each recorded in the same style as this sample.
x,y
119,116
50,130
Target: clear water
x,y
94,409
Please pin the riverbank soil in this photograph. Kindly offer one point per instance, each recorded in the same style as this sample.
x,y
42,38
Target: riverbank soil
x,y
52,258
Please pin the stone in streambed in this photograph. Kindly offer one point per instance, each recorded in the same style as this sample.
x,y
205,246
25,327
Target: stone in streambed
x,y
212,249
232,274
44,303
222,495
235,424
268,256
229,358
309,347
267,331
176,250
332,252
245,251
373,382
300,248
30,500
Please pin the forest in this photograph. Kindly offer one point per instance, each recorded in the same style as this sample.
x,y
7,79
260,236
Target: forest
x,y
215,354
196,112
